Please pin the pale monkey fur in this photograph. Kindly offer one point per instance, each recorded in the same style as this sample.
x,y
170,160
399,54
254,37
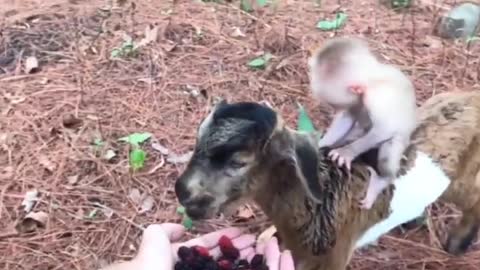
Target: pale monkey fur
x,y
384,115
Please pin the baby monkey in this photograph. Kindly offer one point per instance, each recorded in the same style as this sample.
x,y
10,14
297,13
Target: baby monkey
x,y
375,106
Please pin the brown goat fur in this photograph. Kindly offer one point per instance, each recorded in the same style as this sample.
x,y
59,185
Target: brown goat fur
x,y
244,151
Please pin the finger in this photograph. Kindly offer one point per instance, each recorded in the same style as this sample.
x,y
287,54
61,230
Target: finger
x,y
244,241
155,245
250,255
272,254
174,231
286,261
260,248
210,240
246,253
241,242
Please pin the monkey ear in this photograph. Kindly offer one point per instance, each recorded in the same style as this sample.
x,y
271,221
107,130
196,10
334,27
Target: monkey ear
x,y
306,166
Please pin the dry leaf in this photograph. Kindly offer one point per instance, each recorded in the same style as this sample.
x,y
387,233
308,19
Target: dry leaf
x,y
237,32
266,235
32,221
135,196
160,148
46,163
147,204
168,46
70,121
244,212
31,64
151,35
109,154
29,200
433,42
72,180
177,159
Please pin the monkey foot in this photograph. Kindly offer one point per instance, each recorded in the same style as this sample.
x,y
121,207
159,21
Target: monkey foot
x,y
342,156
375,186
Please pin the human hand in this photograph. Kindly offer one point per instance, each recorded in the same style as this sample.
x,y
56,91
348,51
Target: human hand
x,y
275,259
157,252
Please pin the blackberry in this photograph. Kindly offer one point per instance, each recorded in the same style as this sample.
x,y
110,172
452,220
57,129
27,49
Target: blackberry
x,y
242,265
198,263
257,261
211,265
225,265
180,265
185,253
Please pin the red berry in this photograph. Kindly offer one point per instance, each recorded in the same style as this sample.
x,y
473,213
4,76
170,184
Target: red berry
x,y
227,248
202,251
225,265
225,242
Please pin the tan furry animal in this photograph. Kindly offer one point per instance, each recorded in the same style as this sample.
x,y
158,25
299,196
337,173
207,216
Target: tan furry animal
x,y
245,151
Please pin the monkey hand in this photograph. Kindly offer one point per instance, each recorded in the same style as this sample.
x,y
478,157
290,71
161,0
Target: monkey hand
x,y
343,156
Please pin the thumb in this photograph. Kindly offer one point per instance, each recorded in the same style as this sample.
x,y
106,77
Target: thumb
x,y
155,248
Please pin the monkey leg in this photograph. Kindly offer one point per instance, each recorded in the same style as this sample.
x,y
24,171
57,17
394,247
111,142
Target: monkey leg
x,y
376,185
464,233
389,157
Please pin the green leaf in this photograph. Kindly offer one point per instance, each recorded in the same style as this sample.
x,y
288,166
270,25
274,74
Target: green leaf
x,y
187,222
136,138
400,3
260,62
246,6
304,123
137,158
116,52
262,3
181,210
333,24
98,142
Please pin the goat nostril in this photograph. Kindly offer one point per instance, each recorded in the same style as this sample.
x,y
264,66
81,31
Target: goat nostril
x,y
181,192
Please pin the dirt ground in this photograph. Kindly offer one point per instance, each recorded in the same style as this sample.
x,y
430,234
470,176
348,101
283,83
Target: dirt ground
x,y
60,120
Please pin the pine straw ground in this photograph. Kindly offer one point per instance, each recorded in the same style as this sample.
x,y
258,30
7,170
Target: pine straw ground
x,y
50,118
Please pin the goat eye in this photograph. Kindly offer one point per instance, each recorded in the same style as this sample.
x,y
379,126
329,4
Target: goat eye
x,y
235,164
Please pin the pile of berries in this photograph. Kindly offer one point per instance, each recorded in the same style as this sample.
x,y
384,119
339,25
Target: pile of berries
x,y
198,258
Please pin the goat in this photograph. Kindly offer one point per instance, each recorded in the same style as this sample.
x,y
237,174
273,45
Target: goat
x,y
244,151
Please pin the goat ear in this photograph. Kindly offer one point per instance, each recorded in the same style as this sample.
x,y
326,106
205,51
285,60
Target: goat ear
x,y
306,166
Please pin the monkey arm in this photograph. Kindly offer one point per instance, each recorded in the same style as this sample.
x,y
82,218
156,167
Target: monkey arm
x,y
342,123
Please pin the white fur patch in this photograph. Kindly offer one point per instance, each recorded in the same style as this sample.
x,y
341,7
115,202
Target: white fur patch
x,y
422,185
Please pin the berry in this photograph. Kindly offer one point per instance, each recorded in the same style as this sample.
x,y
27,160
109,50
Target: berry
x,y
225,265
242,265
225,242
257,262
202,251
228,249
197,263
185,253
211,265
180,265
